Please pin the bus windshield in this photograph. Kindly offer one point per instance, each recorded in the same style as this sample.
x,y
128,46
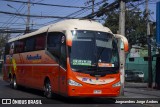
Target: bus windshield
x,y
93,51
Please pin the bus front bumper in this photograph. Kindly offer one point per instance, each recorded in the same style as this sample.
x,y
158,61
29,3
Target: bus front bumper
x,y
74,91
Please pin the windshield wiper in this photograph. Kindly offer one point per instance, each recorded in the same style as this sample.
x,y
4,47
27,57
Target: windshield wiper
x,y
98,56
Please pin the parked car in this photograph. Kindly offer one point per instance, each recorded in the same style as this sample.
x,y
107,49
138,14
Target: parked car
x,y
140,76
129,75
134,76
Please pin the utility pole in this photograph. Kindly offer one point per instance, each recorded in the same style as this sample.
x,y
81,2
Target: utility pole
x,y
92,6
28,18
122,18
150,78
121,51
90,1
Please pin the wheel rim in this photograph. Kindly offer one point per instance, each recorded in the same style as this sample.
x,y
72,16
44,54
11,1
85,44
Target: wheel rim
x,y
14,83
11,81
48,90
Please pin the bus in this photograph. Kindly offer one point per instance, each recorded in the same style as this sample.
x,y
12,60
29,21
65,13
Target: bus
x,y
73,57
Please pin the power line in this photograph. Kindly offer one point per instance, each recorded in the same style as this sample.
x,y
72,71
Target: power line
x,y
44,4
106,8
77,12
24,13
18,14
17,24
95,5
68,16
89,7
13,17
103,10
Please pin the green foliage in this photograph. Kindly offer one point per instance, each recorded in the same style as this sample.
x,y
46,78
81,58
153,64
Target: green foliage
x,y
4,37
135,25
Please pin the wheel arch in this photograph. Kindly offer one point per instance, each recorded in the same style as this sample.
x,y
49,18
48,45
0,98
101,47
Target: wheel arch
x,y
46,79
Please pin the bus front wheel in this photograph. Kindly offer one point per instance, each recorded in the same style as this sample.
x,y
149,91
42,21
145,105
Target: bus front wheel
x,y
47,89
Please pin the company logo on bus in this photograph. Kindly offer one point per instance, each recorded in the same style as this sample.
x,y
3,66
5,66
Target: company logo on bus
x,y
36,57
96,80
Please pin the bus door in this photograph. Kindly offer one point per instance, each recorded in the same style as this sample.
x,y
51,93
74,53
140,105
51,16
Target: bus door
x,y
56,46
63,66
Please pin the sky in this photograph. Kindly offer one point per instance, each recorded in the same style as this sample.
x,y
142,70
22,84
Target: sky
x,y
12,21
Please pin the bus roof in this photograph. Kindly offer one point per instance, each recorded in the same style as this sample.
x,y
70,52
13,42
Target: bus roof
x,y
69,24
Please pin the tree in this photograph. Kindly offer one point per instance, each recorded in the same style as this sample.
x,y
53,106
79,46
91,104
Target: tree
x,y
135,26
4,37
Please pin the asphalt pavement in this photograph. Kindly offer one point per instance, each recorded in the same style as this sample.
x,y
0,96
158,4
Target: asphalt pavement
x,y
130,92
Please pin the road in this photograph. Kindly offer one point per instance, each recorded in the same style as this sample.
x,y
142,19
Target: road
x,y
7,92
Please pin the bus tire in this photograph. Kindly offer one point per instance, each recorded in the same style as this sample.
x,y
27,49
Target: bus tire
x,y
15,86
10,80
47,89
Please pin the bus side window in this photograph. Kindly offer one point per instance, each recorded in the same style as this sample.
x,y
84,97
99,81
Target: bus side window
x,y
40,42
54,43
21,46
16,50
30,44
7,48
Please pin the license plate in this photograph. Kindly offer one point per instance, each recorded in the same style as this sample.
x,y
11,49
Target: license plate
x,y
97,91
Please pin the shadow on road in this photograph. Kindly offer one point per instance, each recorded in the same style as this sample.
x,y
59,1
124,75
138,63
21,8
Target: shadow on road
x,y
57,99
87,100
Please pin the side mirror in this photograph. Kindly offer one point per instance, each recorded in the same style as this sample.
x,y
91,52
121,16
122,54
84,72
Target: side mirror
x,y
123,43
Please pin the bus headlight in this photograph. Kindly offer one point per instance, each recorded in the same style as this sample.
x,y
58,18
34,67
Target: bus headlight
x,y
73,83
118,84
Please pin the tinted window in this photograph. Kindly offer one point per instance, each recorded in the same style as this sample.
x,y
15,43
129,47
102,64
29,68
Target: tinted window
x,y
30,44
40,42
7,48
54,43
147,58
19,46
131,59
54,39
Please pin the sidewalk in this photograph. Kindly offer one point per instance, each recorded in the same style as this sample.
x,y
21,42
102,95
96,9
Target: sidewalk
x,y
1,77
135,85
141,88
144,91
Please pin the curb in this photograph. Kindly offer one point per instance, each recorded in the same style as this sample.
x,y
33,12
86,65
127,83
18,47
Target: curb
x,y
135,85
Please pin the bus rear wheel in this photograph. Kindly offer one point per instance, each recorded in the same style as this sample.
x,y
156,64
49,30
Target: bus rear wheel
x,y
14,84
47,89
10,81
